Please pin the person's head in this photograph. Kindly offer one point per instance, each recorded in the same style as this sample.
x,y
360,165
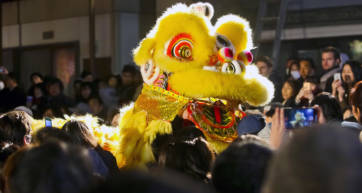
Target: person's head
x,y
86,90
356,101
290,61
15,127
55,87
310,85
51,167
351,72
330,57
329,105
323,158
49,134
36,78
10,80
306,67
95,104
51,111
76,85
156,181
39,91
289,89
114,81
264,64
79,133
242,166
128,74
187,152
294,71
87,76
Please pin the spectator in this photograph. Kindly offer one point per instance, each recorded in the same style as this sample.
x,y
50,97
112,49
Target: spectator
x,y
306,70
289,91
51,167
160,181
307,93
186,151
35,78
264,64
129,86
242,166
293,70
108,93
56,98
356,101
13,96
38,100
86,92
288,64
103,161
87,77
351,73
50,134
76,90
97,108
330,66
328,108
15,128
324,158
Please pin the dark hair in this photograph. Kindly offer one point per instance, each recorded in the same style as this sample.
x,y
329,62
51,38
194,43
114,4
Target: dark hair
x,y
323,158
330,106
242,166
85,73
79,133
312,79
188,153
356,98
130,68
52,167
356,69
6,149
36,74
310,60
53,80
267,60
158,180
14,126
332,49
48,134
294,86
11,76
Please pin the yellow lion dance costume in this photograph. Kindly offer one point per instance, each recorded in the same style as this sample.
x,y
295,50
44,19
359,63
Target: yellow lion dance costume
x,y
193,70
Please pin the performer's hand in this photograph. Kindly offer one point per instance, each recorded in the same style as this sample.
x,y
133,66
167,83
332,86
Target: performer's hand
x,y
150,73
277,128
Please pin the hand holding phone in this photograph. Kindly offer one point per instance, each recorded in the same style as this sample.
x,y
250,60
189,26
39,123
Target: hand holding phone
x,y
337,76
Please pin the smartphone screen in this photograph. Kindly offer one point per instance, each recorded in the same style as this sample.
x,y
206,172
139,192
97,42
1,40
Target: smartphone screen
x,y
48,122
337,76
296,118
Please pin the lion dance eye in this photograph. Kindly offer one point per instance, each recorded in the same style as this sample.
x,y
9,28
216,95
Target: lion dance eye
x,y
180,47
234,67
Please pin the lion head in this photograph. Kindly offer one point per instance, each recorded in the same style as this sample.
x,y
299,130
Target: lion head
x,y
202,60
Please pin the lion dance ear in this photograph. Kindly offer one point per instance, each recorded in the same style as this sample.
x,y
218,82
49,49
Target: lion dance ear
x,y
144,51
237,30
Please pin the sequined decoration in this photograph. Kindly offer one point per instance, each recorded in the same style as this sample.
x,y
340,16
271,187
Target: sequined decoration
x,y
160,103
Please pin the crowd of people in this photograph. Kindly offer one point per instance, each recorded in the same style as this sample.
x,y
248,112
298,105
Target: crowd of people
x,y
46,96
267,157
